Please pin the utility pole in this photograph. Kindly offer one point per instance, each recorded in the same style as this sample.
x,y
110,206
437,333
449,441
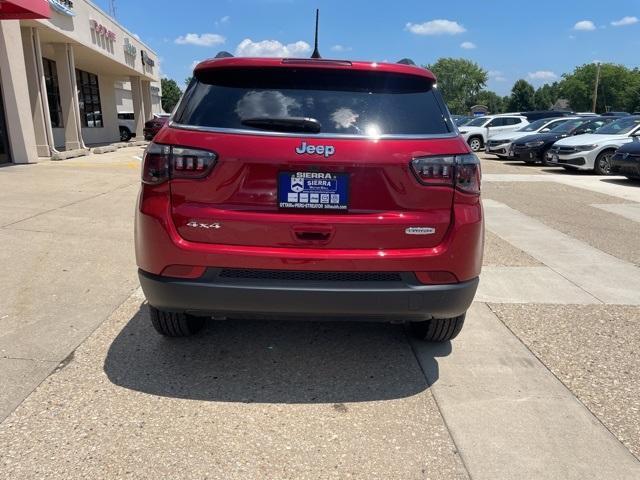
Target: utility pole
x,y
595,90
112,8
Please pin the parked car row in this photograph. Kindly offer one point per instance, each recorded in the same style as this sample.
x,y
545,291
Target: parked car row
x,y
576,143
478,130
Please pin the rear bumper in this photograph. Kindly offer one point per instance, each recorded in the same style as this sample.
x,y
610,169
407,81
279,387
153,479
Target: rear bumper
x,y
402,300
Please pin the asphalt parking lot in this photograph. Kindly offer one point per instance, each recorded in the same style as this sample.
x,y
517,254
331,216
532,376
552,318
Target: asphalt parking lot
x,y
543,381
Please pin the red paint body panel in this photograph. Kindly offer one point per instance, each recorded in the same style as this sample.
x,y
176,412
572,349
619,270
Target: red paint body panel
x,y
240,194
319,64
24,9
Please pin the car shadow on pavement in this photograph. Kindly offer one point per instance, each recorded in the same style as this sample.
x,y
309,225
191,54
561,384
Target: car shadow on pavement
x,y
621,181
271,362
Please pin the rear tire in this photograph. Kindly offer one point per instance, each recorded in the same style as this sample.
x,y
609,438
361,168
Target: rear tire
x,y
438,329
172,324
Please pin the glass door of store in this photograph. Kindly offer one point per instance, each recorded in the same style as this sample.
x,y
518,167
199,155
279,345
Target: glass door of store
x,y
5,156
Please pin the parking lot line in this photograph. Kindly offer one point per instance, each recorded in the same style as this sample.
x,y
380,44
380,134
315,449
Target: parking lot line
x,y
510,417
630,211
604,276
541,284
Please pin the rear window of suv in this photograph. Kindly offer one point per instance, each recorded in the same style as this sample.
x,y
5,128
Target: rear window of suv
x,y
344,102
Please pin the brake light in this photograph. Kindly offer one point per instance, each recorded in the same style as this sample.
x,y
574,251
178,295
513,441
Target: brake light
x,y
468,174
155,165
461,171
163,162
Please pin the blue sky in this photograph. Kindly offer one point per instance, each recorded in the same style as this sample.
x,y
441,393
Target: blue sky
x,y
511,39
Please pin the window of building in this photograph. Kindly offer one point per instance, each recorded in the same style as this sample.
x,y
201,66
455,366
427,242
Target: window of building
x,y
53,92
89,99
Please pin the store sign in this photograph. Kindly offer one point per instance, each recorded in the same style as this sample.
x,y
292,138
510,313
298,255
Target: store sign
x,y
129,48
146,60
102,30
64,7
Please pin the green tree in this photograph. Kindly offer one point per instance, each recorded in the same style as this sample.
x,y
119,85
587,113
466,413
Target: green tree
x,y
521,98
459,81
616,85
170,94
491,100
545,96
632,93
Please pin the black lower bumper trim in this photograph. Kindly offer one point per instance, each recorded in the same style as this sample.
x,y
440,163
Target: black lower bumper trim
x,y
216,296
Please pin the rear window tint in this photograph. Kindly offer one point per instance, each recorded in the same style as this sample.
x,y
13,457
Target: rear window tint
x,y
343,101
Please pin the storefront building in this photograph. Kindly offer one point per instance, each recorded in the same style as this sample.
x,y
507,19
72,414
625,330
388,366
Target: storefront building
x,y
61,62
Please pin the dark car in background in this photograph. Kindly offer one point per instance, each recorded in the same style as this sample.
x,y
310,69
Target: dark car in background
x,y
533,148
626,161
152,127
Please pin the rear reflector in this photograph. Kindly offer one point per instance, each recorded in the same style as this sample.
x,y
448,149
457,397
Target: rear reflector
x,y
436,278
162,162
183,271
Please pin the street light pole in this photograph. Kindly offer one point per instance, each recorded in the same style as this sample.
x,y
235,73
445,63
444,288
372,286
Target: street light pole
x,y
595,91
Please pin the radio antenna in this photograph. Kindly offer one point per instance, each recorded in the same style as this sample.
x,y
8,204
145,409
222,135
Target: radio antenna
x,y
316,53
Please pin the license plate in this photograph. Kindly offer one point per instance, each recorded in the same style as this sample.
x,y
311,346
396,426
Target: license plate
x,y
313,190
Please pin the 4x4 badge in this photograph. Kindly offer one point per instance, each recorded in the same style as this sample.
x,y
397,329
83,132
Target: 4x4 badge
x,y
206,226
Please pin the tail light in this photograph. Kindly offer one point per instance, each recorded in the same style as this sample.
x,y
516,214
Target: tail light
x,y
163,162
459,171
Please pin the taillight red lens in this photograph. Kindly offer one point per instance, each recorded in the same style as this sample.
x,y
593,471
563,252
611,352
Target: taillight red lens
x,y
191,163
155,165
162,162
434,170
461,171
468,174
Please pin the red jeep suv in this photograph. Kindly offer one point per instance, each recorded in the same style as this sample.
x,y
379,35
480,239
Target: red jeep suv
x,y
310,189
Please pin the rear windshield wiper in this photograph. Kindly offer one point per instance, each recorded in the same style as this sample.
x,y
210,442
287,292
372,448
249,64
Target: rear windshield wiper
x,y
284,124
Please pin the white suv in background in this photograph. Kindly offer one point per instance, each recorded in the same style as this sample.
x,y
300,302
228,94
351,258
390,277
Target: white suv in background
x,y
499,144
594,151
477,131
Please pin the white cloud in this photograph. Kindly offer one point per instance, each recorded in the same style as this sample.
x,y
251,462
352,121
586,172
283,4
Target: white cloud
x,y
222,20
496,75
271,48
468,45
624,21
194,63
585,25
544,75
436,27
341,48
204,40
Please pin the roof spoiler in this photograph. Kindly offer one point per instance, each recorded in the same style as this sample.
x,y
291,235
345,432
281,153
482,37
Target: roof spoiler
x,y
406,61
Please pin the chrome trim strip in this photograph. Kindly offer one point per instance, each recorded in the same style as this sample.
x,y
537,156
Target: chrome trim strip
x,y
239,131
